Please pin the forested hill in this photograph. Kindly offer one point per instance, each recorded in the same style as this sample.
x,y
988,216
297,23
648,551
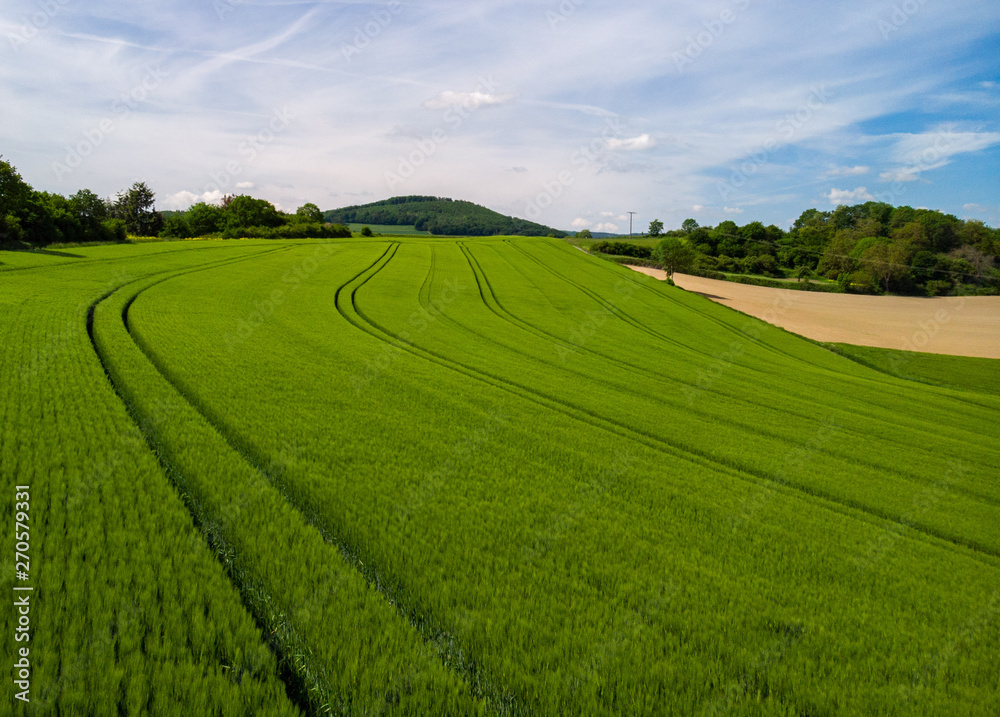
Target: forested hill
x,y
439,216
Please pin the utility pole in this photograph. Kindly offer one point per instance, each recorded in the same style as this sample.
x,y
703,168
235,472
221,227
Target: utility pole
x,y
630,215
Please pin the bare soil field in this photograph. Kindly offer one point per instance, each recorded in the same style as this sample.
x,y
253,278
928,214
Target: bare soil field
x,y
959,326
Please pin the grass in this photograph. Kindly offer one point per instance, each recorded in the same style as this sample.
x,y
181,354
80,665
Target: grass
x,y
649,242
785,280
131,613
504,477
978,375
389,229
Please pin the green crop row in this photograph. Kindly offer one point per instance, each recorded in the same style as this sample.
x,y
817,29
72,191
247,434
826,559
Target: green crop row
x,y
594,494
347,649
130,613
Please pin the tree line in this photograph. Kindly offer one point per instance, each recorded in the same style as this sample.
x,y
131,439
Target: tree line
x,y
32,218
29,217
866,248
245,216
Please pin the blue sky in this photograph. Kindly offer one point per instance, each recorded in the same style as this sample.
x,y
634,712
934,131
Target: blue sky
x,y
570,112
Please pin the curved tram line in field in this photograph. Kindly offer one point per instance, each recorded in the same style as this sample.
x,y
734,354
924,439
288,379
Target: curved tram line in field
x,y
303,675
631,369
431,655
349,310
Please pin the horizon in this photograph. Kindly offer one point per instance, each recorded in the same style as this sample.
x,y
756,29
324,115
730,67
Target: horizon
x,y
716,112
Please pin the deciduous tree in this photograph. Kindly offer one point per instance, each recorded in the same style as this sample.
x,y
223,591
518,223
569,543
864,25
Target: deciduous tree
x,y
673,255
310,212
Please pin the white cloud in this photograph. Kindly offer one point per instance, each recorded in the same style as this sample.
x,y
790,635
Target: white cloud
x,y
245,185
732,210
631,144
466,100
740,112
581,223
849,196
184,199
607,227
941,143
906,175
926,151
846,171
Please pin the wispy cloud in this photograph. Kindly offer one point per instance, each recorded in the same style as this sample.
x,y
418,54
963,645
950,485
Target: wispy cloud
x,y
846,172
776,108
467,100
643,141
922,152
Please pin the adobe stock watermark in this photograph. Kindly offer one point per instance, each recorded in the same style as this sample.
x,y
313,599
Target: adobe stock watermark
x,y
249,150
714,29
46,354
786,128
581,159
922,161
121,108
420,321
784,300
925,332
595,320
453,118
224,7
589,493
901,14
460,456
266,307
932,326
566,9
922,505
32,25
365,35
793,465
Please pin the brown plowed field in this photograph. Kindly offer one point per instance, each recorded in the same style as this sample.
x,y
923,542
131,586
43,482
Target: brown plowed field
x,y
960,326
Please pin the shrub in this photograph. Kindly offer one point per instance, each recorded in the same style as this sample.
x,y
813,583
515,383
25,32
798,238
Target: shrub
x,y
114,230
621,248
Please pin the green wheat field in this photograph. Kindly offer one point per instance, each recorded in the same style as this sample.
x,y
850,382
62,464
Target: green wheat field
x,y
423,476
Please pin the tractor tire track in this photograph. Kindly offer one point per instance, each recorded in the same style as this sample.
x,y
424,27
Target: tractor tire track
x,y
486,290
347,307
861,382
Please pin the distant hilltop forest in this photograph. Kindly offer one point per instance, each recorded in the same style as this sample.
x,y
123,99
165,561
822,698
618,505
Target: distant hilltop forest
x,y
437,215
867,248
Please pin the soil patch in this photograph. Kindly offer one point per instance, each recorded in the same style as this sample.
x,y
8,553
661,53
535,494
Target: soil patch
x,y
958,326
